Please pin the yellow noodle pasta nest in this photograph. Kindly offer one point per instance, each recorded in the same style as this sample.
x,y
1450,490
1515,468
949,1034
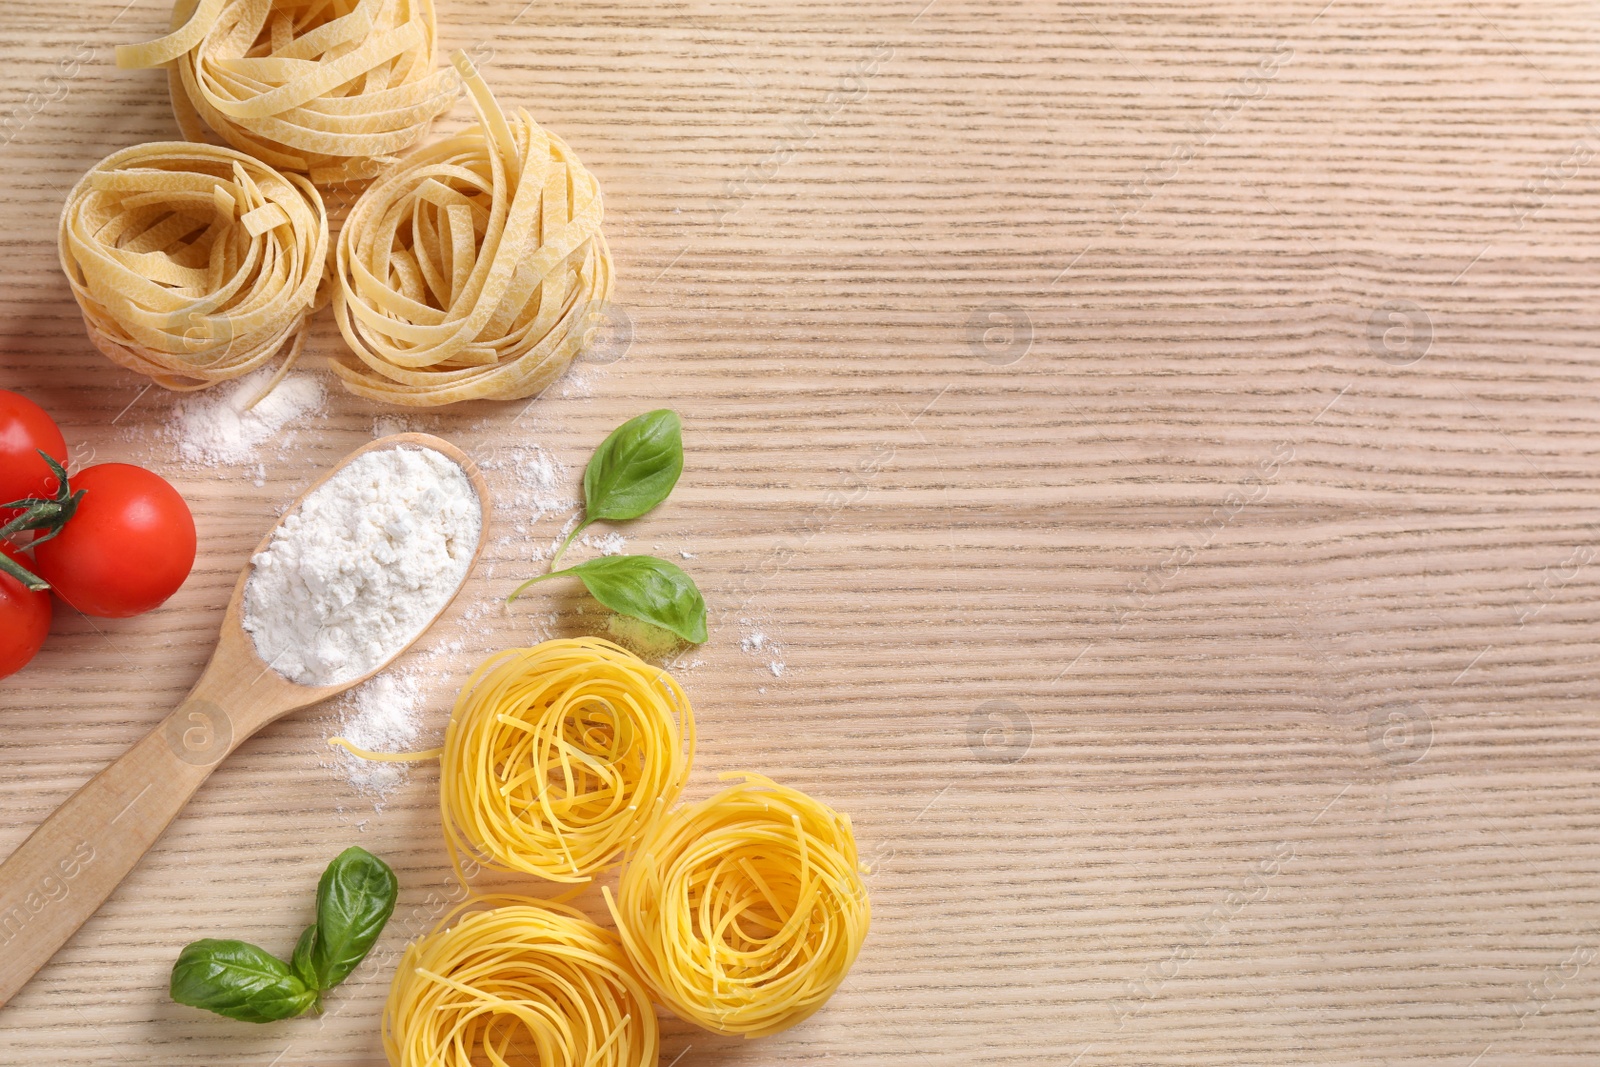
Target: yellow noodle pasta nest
x,y
474,269
744,912
559,757
527,982
191,263
333,88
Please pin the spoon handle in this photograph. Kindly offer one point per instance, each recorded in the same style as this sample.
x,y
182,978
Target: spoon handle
x,y
68,866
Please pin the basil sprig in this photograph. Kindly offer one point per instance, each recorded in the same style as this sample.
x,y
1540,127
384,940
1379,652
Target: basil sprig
x,y
355,898
644,587
632,471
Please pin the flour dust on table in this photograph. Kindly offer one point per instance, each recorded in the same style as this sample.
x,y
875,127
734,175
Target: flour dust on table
x,y
232,424
383,714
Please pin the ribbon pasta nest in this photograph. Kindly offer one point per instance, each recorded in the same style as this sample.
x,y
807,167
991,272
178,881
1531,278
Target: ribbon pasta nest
x,y
474,269
192,263
329,87
527,982
560,756
744,912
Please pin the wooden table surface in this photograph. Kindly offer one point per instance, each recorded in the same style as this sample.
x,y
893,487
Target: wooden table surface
x,y
1160,443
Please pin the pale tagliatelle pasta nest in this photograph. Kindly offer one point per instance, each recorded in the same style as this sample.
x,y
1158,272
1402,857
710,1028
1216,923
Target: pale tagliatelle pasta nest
x,y
474,269
191,263
332,88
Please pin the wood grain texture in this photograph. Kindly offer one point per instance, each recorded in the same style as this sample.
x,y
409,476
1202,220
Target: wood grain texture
x,y
1161,438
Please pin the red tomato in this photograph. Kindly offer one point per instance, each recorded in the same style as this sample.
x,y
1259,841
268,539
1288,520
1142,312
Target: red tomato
x,y
128,548
24,429
24,617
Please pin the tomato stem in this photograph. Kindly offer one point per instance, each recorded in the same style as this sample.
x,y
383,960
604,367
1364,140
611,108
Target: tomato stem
x,y
22,574
49,514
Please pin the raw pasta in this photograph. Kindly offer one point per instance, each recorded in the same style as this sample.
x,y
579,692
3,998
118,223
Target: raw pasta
x,y
528,982
744,912
560,756
332,88
191,263
475,269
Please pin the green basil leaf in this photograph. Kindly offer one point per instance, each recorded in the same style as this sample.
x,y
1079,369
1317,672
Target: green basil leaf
x,y
635,468
300,962
238,980
647,588
354,900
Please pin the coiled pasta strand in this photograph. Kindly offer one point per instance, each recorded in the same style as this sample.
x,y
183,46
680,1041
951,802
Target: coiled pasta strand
x,y
744,912
526,982
560,756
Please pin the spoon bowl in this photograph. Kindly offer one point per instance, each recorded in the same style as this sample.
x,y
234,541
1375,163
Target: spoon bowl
x,y
274,695
71,863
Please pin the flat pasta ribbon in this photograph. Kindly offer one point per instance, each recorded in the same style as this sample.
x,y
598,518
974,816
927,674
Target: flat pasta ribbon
x,y
744,912
191,263
331,88
474,269
527,982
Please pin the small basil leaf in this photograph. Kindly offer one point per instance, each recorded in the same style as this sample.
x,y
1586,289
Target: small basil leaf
x,y
238,980
354,900
647,588
635,468
300,962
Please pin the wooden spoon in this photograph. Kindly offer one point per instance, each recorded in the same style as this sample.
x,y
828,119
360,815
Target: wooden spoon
x,y
68,866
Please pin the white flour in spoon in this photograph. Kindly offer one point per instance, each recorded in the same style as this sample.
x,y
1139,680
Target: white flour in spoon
x,y
355,573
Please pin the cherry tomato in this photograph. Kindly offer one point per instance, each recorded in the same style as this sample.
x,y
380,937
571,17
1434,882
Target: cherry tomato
x,y
128,548
24,617
24,429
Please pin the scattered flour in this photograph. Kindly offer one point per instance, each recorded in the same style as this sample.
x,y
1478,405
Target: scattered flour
x,y
383,714
528,486
363,566
756,642
402,709
578,381
213,428
611,544
385,425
